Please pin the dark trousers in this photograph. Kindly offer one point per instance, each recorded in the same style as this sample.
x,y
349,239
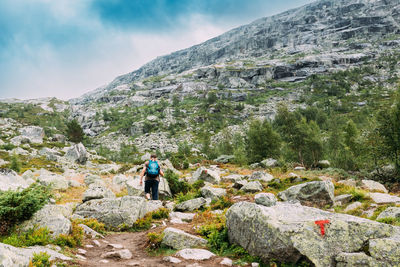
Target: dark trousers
x,y
153,185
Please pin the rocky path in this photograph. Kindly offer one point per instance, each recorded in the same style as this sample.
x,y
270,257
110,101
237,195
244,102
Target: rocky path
x,y
136,244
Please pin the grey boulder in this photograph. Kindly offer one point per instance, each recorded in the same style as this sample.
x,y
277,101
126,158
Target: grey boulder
x,y
374,186
97,192
77,153
252,187
53,217
20,257
207,175
114,211
263,176
212,192
317,193
287,232
35,134
391,212
179,239
191,204
265,199
10,180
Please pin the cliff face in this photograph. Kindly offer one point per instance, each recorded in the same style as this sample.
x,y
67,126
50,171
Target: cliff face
x,y
322,25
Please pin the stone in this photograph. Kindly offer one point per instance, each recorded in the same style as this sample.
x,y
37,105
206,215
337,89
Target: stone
x,y
153,205
56,181
205,174
212,192
97,192
381,198
343,199
269,163
231,178
97,243
120,181
90,179
89,231
287,232
263,176
255,264
49,153
191,204
345,259
51,217
171,259
265,199
226,262
179,239
73,183
187,217
145,156
323,164
373,186
299,168
252,187
123,254
114,211
386,250
59,138
353,206
115,246
104,261
348,182
77,153
195,254
319,193
82,251
20,257
10,180
239,184
35,134
224,158
390,212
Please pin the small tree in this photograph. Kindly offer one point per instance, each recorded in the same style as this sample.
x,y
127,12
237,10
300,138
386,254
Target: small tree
x,y
389,130
15,163
262,141
74,131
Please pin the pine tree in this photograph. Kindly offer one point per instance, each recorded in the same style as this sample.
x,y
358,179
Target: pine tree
x,y
74,131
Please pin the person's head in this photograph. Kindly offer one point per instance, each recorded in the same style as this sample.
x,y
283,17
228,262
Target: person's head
x,y
153,157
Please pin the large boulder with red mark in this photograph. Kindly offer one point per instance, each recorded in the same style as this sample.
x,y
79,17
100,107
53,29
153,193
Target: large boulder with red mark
x,y
290,232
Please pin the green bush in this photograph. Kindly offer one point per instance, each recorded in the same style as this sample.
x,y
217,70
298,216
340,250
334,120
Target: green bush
x,y
176,185
32,237
72,240
154,240
15,163
161,213
41,259
74,131
17,206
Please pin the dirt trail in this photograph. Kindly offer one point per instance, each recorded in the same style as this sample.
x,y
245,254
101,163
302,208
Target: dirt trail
x,y
136,243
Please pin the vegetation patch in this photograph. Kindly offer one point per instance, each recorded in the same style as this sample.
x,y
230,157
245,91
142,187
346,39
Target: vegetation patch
x,y
18,206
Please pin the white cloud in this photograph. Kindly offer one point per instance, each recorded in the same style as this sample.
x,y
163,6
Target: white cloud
x,y
66,73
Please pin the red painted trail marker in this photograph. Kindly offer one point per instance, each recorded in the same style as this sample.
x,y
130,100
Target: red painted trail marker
x,y
321,224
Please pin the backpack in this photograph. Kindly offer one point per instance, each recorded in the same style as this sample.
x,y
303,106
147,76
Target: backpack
x,y
153,169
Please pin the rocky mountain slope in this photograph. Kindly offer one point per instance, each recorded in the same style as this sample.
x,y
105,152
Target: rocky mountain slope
x,y
323,27
333,64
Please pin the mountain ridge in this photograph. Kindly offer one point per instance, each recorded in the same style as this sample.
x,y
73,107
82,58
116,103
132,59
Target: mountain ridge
x,y
319,25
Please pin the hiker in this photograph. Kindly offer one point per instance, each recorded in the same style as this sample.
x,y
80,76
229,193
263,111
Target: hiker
x,y
152,171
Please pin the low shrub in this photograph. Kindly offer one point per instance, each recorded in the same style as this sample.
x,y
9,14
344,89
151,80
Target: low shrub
x,y
182,197
154,240
32,237
93,224
390,220
221,203
15,163
41,259
175,184
162,213
72,240
18,206
358,194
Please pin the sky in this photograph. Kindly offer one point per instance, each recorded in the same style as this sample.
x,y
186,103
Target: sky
x,y
65,48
